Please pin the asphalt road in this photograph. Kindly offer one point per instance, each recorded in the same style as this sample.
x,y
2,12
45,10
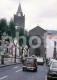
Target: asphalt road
x,y
15,72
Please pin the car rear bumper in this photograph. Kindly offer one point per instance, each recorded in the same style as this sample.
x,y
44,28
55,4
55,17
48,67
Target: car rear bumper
x,y
50,77
29,68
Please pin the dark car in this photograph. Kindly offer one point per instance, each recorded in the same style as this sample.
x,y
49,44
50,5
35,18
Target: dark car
x,y
30,64
52,72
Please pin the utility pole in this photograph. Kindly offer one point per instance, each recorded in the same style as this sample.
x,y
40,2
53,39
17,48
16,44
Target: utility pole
x,y
54,49
15,54
2,52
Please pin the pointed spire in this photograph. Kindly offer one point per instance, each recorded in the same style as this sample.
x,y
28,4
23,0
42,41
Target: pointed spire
x,y
19,9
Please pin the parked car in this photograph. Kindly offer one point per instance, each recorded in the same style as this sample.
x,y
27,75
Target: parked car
x,y
50,62
52,72
40,60
30,63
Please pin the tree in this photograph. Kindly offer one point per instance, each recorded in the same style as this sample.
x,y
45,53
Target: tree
x,y
27,37
21,33
3,25
0,37
8,31
12,28
27,40
24,33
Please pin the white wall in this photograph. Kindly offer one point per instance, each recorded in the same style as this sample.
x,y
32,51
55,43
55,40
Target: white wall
x,y
17,51
49,48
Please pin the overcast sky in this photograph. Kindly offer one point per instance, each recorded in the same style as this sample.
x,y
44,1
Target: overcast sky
x,y
37,12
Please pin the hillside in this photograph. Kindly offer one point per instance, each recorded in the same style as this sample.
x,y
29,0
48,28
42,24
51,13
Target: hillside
x,y
52,31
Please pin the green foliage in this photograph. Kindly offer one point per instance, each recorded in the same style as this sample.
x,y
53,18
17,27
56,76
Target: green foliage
x,y
27,40
20,42
24,33
8,28
8,31
0,35
3,25
21,31
12,28
6,55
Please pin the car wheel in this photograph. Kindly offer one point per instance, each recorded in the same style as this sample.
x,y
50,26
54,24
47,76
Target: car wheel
x,y
23,69
48,78
35,70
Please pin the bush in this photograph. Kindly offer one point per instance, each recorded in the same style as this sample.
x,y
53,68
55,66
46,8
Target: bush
x,y
6,56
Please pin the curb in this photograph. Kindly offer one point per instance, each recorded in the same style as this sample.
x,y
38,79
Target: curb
x,y
8,65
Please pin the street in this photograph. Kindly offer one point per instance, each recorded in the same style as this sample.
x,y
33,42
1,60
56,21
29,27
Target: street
x,y
15,72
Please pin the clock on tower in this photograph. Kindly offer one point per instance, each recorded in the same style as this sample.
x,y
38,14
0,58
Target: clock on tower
x,y
19,14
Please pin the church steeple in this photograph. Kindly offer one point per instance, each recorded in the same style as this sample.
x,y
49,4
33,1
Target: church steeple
x,y
19,18
19,9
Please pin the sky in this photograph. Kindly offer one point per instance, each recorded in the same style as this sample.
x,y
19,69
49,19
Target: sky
x,y
41,13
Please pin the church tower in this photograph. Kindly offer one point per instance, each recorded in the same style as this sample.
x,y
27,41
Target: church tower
x,y
19,18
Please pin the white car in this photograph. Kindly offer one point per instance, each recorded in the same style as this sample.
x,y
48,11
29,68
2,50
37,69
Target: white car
x,y
50,62
40,60
52,72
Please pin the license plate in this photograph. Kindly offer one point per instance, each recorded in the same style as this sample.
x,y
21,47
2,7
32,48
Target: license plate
x,y
29,65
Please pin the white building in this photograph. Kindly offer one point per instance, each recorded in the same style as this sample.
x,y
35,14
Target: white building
x,y
50,45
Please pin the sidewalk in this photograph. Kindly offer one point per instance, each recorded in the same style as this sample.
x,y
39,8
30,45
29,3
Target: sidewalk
x,y
9,62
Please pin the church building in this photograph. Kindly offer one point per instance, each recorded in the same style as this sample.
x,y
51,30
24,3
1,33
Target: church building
x,y
19,18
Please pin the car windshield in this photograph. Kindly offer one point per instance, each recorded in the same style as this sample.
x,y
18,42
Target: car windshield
x,y
50,62
29,60
54,65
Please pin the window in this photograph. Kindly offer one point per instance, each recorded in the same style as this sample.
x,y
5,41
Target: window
x,y
29,60
54,65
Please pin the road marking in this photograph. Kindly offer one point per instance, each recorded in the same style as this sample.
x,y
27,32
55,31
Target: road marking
x,y
19,70
15,67
3,77
46,77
